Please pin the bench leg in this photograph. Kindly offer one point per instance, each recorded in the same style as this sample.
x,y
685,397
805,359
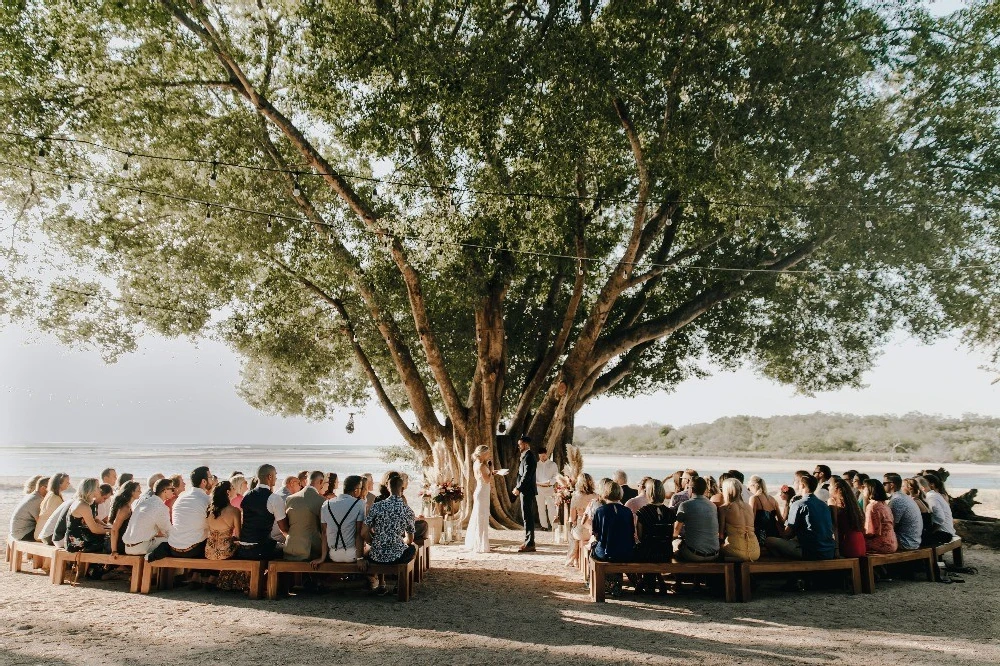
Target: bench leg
x,y
255,582
930,566
272,584
957,557
403,584
596,582
868,578
856,577
58,572
745,592
136,581
729,578
16,560
147,578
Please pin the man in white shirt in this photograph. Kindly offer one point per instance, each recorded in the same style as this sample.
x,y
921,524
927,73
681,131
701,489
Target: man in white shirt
x,y
150,525
190,517
546,474
823,474
342,519
110,477
263,511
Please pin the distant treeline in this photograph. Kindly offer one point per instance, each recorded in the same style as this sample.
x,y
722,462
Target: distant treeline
x,y
916,437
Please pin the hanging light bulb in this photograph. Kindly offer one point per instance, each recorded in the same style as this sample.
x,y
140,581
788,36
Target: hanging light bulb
x,y
928,225
350,424
42,152
579,268
670,221
502,427
296,190
869,224
124,171
213,179
742,282
269,226
375,191
739,218
138,201
208,213
527,207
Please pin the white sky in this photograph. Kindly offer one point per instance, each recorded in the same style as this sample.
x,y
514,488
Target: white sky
x,y
174,391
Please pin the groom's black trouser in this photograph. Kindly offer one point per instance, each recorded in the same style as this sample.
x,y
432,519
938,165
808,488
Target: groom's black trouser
x,y
528,504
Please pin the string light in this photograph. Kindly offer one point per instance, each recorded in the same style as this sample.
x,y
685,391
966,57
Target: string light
x,y
296,191
269,225
213,180
124,171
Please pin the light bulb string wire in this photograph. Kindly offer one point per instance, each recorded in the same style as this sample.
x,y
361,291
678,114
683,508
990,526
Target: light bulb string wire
x,y
455,189
534,254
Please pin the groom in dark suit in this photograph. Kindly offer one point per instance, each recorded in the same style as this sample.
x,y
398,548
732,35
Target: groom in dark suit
x,y
525,489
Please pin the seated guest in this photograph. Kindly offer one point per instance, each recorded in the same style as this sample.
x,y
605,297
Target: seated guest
x,y
110,477
579,518
30,485
672,484
654,525
240,485
628,492
370,495
880,534
58,484
905,513
124,478
641,499
684,492
765,510
332,483
151,484
84,533
190,517
849,476
911,488
263,512
939,504
291,487
613,538
808,530
714,492
303,512
823,475
343,519
177,483
390,530
150,526
697,526
224,522
54,531
303,478
121,514
383,488
24,520
736,525
858,487
848,520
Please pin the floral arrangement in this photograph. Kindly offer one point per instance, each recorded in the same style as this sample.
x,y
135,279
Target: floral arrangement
x,y
563,491
446,492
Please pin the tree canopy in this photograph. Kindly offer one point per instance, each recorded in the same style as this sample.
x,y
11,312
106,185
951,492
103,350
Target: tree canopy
x,y
478,211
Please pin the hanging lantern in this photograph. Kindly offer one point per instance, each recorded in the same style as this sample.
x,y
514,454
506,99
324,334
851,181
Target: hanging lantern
x,y
350,424
502,428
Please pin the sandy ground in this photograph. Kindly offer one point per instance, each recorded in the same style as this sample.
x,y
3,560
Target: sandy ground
x,y
500,608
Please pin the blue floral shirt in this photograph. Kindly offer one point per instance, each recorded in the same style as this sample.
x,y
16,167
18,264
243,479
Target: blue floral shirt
x,y
389,521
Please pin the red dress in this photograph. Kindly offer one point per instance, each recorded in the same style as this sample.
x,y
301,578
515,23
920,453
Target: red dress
x,y
852,542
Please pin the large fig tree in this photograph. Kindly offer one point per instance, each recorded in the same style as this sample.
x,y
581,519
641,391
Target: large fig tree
x,y
479,212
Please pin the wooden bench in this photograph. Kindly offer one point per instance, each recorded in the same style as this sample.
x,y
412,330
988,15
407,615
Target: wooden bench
x,y
955,548
404,572
599,569
20,548
868,563
62,558
848,564
8,550
164,568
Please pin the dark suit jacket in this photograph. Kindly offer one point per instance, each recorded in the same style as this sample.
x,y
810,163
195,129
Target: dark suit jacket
x,y
525,482
628,492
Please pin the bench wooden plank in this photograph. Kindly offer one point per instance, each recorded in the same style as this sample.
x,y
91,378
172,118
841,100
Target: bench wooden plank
x,y
62,558
869,562
403,572
166,565
955,548
599,569
849,564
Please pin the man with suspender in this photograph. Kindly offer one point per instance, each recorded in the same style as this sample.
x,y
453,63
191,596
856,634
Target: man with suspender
x,y
342,520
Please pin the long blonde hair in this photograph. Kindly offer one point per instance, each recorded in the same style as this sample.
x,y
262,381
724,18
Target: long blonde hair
x,y
477,454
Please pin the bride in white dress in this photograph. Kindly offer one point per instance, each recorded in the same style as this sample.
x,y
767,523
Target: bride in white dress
x,y
477,535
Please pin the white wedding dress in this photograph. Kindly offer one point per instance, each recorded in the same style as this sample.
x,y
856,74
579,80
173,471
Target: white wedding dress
x,y
477,536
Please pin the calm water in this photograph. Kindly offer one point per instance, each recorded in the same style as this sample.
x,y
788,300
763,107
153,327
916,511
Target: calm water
x,y
82,460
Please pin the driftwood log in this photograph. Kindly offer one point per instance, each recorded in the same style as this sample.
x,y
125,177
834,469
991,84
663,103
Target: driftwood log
x,y
981,530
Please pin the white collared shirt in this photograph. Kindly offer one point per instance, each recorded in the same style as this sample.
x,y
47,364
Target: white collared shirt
x,y
150,516
190,515
546,472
